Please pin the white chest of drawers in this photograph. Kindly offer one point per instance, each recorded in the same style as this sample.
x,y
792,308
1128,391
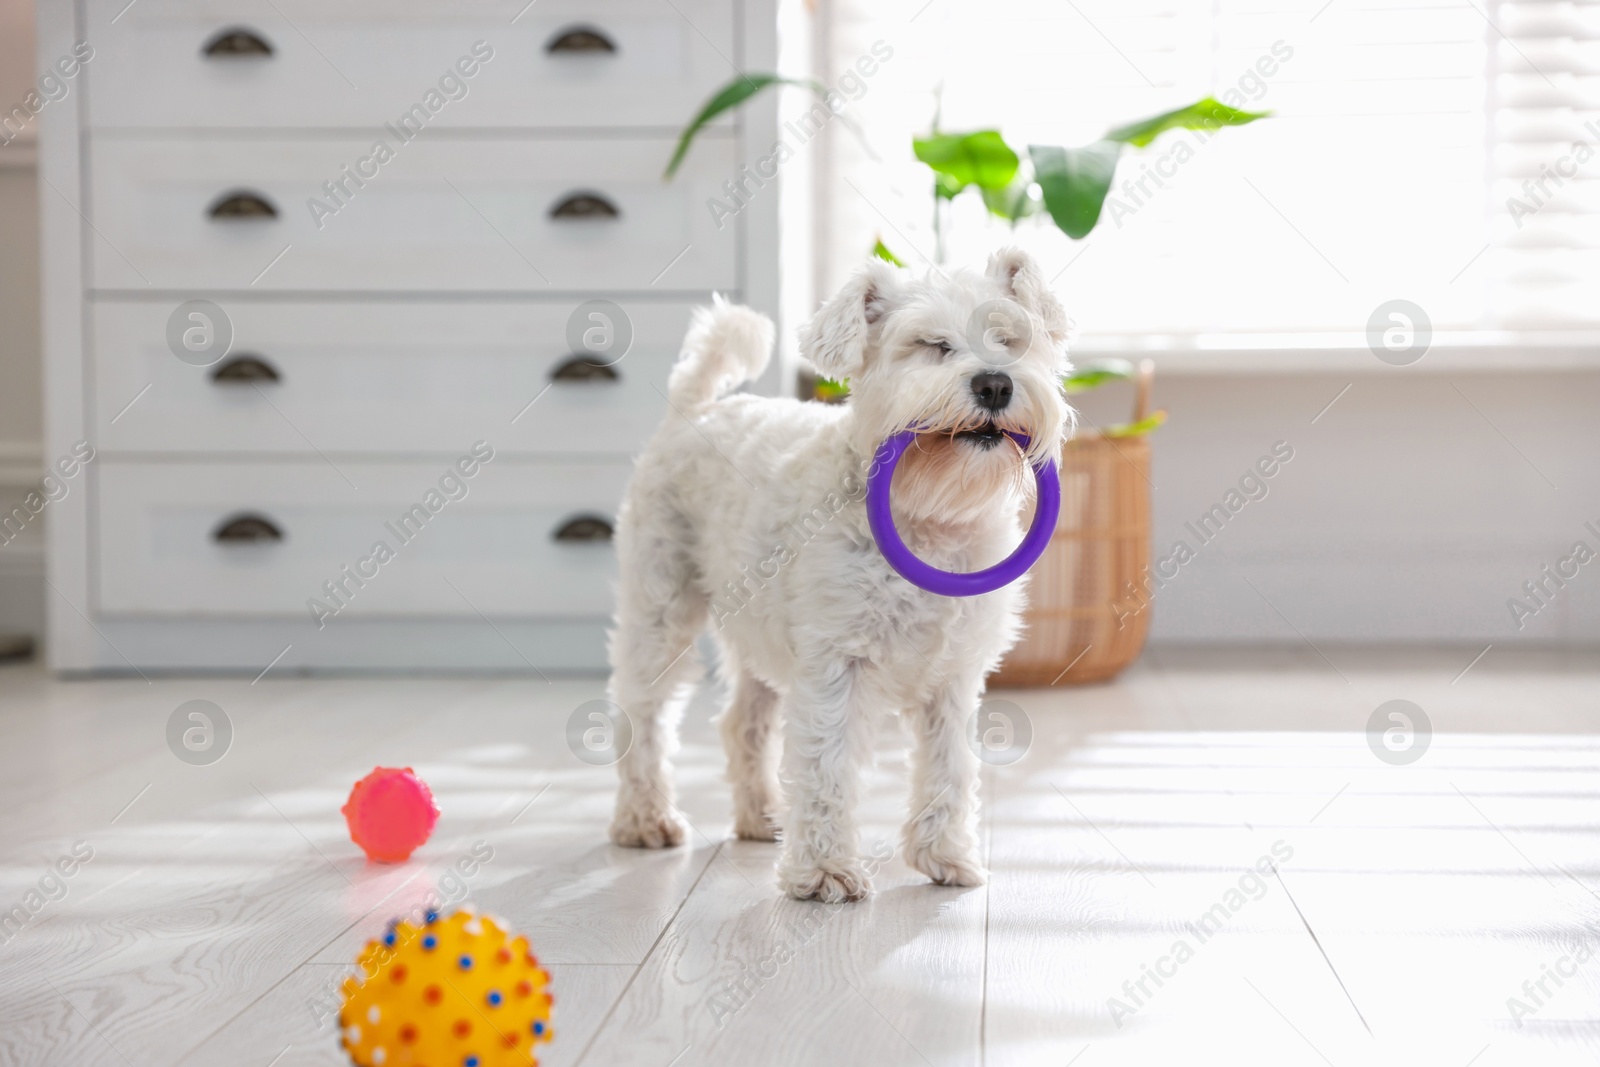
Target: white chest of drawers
x,y
389,309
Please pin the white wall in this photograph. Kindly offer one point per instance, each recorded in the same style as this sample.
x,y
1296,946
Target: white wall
x,y
1403,516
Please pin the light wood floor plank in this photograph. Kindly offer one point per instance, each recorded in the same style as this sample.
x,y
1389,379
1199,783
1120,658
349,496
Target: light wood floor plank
x,y
224,901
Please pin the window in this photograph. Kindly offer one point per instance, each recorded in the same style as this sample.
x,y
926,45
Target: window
x,y
1445,152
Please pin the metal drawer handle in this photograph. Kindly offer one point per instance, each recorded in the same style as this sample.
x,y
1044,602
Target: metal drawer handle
x,y
585,206
584,529
246,369
247,529
579,369
237,41
580,39
243,204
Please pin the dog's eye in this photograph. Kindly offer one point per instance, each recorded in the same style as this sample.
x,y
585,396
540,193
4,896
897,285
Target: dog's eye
x,y
941,347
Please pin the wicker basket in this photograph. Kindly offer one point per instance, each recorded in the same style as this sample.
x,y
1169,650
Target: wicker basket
x,y
1087,611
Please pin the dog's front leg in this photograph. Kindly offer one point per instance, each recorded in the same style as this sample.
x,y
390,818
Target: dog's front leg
x,y
941,839
826,740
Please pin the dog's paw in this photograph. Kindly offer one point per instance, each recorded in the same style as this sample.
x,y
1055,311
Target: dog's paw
x,y
947,867
649,828
752,823
831,882
755,827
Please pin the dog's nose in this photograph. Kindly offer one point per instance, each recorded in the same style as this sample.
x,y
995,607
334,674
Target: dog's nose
x,y
992,389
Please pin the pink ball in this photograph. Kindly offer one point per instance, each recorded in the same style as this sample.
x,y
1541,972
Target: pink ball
x,y
390,813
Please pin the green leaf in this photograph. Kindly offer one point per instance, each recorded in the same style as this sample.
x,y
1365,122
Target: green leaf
x,y
982,158
1093,375
1136,429
726,98
1013,202
829,389
881,250
1075,182
1205,114
946,187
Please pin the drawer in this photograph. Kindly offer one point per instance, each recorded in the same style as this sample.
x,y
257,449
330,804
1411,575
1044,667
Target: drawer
x,y
384,376
159,551
361,63
507,215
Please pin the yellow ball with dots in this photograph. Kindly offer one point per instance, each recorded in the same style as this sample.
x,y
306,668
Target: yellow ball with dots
x,y
458,991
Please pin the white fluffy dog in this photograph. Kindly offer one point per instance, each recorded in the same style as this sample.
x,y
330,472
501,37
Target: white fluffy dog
x,y
747,514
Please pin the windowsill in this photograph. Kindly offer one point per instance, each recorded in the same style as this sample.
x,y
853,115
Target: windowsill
x,y
1345,353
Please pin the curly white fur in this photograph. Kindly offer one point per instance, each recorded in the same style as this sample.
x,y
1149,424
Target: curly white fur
x,y
746,514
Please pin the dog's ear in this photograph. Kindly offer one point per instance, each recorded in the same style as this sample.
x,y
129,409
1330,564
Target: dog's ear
x,y
835,340
1020,274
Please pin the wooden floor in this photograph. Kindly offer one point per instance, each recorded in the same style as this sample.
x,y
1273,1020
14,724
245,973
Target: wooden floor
x,y
223,903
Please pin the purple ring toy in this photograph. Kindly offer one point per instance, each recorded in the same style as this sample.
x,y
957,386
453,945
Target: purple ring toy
x,y
952,583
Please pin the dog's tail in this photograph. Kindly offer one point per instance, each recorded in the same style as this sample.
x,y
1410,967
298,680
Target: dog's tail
x,y
727,345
